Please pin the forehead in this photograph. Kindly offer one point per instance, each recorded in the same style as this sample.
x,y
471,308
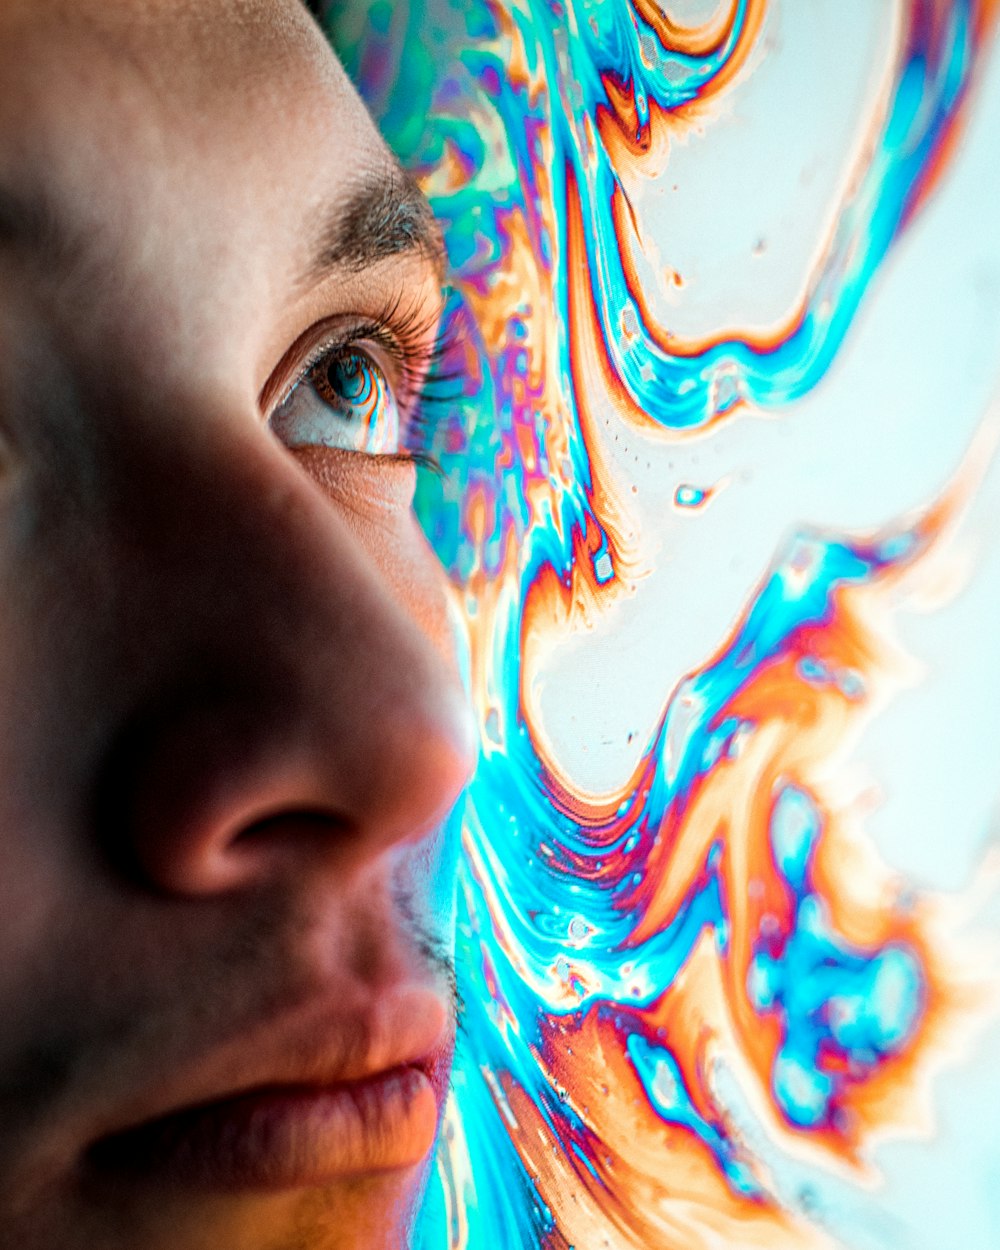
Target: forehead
x,y
117,108
195,156
190,59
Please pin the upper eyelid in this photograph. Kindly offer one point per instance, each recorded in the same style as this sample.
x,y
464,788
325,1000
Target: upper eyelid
x,y
410,343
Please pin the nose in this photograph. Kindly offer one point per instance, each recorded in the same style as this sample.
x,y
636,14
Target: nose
x,y
291,702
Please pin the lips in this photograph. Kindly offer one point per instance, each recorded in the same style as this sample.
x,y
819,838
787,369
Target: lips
x,y
284,1137
338,1095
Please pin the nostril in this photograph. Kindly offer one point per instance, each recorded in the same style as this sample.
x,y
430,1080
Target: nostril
x,y
314,833
304,821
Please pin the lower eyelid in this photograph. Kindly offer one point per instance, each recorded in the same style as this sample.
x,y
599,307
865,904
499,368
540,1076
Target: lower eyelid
x,y
367,486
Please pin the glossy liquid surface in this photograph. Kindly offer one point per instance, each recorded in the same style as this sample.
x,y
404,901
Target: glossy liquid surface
x,y
721,514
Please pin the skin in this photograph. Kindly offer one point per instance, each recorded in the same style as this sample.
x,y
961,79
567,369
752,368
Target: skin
x,y
231,725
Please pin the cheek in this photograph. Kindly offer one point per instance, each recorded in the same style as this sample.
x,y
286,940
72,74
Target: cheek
x,y
373,497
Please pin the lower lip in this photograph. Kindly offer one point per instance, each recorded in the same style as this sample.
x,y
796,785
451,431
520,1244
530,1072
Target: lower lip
x,y
283,1138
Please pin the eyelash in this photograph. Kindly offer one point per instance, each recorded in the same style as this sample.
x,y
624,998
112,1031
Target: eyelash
x,y
403,335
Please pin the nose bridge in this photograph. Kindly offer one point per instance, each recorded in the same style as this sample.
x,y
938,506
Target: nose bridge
x,y
287,694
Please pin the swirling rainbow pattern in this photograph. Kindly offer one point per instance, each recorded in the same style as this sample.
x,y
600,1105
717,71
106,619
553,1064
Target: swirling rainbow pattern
x,y
688,994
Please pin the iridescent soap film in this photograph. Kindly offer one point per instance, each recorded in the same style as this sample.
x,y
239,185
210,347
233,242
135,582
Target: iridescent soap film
x,y
719,506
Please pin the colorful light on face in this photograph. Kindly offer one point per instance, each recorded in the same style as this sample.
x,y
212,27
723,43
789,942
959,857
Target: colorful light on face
x,y
691,987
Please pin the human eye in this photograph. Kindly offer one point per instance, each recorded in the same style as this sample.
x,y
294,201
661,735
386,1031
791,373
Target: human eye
x,y
365,388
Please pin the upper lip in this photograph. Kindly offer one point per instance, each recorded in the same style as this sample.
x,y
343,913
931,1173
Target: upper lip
x,y
315,1047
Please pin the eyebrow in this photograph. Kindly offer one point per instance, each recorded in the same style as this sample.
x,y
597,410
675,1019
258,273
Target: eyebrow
x,y
388,215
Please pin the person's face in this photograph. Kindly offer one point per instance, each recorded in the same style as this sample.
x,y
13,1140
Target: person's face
x,y
231,725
